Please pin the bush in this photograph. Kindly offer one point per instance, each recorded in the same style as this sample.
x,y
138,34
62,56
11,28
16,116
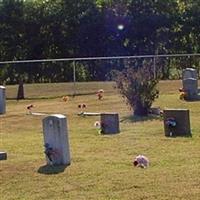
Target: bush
x,y
138,86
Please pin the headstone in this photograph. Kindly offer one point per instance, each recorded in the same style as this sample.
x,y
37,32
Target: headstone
x,y
56,140
109,123
190,83
189,73
3,155
176,122
2,100
190,86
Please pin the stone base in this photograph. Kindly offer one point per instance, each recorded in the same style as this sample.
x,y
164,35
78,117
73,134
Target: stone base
x,y
3,156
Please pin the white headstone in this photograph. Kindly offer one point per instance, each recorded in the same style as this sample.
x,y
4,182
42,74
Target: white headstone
x,y
56,140
2,100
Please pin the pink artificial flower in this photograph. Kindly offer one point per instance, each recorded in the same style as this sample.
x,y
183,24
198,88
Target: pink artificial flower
x,y
29,107
82,105
141,161
97,124
100,91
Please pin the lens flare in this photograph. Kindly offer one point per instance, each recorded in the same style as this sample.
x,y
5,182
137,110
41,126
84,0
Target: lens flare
x,y
120,27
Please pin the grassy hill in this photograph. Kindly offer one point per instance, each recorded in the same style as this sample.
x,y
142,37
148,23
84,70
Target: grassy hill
x,y
101,166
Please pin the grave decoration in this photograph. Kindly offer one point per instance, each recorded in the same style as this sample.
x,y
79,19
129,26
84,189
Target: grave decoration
x,y
65,98
171,123
56,142
100,94
29,108
82,106
98,125
183,94
141,161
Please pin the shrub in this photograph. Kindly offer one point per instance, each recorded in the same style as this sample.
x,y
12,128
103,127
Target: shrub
x,y
138,86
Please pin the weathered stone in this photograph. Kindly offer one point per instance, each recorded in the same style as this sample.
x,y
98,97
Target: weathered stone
x,y
180,122
3,155
190,86
109,123
2,100
189,73
56,140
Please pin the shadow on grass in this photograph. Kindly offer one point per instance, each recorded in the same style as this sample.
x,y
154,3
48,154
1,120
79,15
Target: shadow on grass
x,y
132,118
49,169
179,136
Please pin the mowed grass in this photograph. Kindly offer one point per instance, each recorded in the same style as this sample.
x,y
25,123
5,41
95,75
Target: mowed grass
x,y
101,165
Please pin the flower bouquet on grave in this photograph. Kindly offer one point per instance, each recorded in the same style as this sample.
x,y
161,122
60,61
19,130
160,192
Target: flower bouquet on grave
x,y
29,108
65,98
141,161
171,123
183,94
100,94
100,126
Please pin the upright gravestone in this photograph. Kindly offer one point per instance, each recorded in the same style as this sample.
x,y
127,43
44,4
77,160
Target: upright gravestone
x,y
109,123
189,73
190,83
176,122
56,140
2,100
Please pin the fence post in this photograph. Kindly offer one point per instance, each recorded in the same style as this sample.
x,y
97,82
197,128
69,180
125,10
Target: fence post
x,y
154,67
74,78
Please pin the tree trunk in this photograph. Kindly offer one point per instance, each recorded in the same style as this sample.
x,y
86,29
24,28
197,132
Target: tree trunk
x,y
20,93
140,110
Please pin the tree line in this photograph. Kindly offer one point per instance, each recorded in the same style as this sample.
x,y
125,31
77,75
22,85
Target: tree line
x,y
42,29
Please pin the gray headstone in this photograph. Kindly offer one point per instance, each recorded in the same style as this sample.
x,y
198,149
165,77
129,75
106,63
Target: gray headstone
x,y
109,123
2,100
56,140
190,86
189,73
180,122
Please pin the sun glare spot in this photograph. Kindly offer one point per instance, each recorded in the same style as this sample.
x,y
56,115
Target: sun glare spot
x,y
120,27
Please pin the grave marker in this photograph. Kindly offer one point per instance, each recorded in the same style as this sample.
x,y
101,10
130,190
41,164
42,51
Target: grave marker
x,y
190,73
176,122
190,83
2,100
56,140
109,123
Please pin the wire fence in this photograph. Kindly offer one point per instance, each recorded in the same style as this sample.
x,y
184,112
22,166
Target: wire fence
x,y
75,70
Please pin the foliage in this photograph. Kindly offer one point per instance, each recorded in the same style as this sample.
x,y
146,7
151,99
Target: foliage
x,y
138,86
35,29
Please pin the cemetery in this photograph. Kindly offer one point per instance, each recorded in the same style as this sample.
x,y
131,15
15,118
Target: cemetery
x,y
51,151
99,100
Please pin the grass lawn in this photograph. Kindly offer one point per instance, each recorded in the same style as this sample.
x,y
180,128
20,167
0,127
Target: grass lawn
x,y
101,166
